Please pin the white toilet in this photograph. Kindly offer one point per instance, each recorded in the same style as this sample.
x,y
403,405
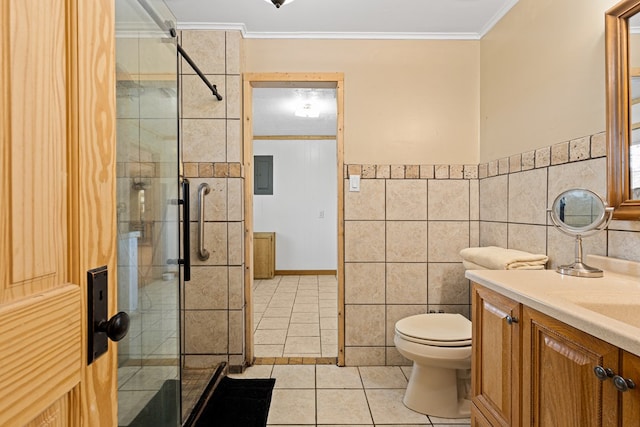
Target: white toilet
x,y
439,344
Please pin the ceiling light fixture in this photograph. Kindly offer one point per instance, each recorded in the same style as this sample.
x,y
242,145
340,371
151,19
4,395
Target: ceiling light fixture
x,y
278,3
307,109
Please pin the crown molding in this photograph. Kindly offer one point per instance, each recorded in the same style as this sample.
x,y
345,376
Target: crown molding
x,y
213,26
497,17
326,35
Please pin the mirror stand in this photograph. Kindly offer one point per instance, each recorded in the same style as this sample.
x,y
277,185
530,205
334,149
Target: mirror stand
x,y
580,213
578,268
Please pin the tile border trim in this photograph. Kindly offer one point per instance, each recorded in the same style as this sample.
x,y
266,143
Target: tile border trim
x,y
575,150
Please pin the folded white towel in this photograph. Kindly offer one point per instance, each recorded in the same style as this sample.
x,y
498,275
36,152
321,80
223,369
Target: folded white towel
x,y
468,265
496,258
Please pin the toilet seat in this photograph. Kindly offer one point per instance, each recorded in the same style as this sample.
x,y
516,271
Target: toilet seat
x,y
436,329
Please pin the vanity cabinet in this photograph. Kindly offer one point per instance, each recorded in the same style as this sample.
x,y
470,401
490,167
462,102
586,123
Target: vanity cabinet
x,y
559,386
495,359
630,405
529,369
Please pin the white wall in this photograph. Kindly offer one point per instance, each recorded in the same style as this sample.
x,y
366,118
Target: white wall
x,y
304,185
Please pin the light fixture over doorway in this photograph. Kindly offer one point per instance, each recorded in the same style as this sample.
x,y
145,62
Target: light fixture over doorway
x,y
278,3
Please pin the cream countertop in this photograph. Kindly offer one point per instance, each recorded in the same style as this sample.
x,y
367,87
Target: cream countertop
x,y
607,307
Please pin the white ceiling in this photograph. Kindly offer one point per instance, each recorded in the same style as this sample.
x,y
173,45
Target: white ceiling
x,y
372,19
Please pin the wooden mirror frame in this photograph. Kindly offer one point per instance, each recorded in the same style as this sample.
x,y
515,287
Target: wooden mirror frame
x,y
618,132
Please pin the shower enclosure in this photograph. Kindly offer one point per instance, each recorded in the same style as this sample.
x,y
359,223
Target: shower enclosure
x,y
148,217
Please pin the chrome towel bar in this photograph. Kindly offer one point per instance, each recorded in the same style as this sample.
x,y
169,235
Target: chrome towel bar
x,y
203,190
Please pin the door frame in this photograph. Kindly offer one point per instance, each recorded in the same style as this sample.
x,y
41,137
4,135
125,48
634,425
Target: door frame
x,y
251,80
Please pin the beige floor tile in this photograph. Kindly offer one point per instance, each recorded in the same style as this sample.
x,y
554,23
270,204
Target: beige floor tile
x,y
292,407
329,312
329,350
382,377
307,300
261,299
270,336
268,350
305,308
296,425
255,371
329,336
286,287
406,370
304,330
304,300
274,323
328,303
387,407
342,407
331,376
302,293
294,376
280,304
277,312
329,323
305,318
437,421
302,345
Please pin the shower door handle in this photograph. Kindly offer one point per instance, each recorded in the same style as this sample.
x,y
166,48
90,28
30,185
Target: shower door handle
x,y
203,190
186,233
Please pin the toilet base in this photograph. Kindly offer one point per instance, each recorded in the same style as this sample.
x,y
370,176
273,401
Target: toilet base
x,y
434,391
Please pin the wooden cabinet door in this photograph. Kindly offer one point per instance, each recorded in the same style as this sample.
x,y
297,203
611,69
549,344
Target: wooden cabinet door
x,y
264,255
559,387
57,216
630,409
496,357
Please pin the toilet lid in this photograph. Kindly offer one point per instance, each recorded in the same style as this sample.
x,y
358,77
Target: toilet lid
x,y
443,329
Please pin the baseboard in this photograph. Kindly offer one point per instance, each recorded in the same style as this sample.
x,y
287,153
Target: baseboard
x,y
295,361
305,272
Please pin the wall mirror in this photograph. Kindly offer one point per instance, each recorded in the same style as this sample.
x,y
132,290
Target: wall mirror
x,y
622,24
580,213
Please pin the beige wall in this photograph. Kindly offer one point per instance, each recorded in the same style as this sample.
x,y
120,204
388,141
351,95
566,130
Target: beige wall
x,y
542,76
406,102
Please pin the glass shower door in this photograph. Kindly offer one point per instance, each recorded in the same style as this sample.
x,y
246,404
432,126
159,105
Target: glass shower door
x,y
148,218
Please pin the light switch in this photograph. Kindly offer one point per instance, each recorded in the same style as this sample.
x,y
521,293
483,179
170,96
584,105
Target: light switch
x,y
354,182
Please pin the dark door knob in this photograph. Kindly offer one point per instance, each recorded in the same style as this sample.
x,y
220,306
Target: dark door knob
x,y
117,327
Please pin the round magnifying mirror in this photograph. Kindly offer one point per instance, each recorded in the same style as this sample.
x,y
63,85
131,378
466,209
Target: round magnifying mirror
x,y
579,212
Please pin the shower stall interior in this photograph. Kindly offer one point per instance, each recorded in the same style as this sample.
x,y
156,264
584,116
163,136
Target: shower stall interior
x,y
153,388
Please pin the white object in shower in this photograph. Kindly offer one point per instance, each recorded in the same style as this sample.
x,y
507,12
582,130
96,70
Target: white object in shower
x,y
128,271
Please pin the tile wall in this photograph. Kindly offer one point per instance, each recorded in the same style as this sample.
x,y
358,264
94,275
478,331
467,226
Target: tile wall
x,y
404,229
403,232
211,133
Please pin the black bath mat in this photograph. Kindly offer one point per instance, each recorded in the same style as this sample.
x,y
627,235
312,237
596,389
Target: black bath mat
x,y
237,403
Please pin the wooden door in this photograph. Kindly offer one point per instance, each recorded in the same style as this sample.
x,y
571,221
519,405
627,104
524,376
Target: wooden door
x,y
495,377
57,169
560,388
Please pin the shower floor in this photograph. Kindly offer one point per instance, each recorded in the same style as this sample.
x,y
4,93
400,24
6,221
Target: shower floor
x,y
296,316
148,355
